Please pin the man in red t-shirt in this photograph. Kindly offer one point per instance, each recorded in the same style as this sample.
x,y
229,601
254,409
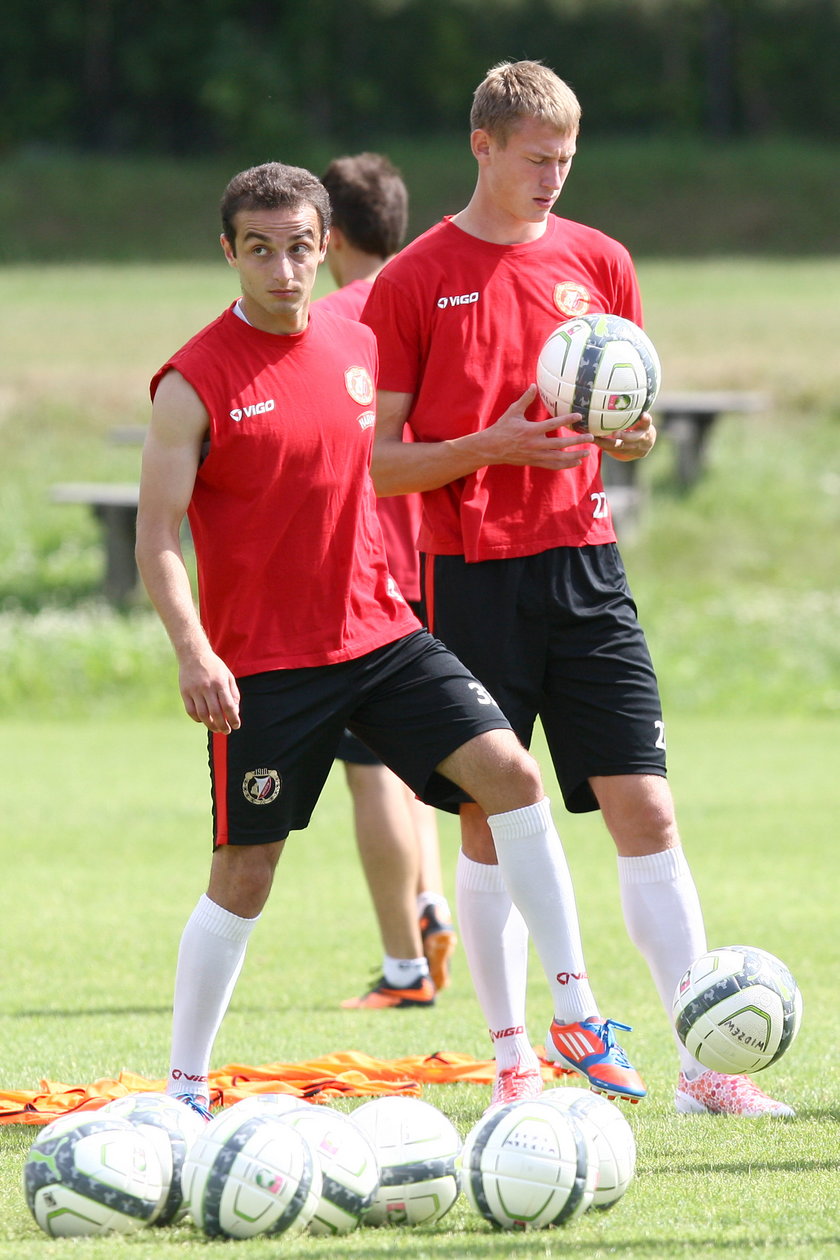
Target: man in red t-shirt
x,y
261,430
522,576
396,833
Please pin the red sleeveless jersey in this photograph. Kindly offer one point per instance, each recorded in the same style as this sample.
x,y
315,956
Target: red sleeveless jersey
x,y
291,563
460,323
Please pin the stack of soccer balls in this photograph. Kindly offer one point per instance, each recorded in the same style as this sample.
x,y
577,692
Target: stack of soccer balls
x,y
272,1165
264,1166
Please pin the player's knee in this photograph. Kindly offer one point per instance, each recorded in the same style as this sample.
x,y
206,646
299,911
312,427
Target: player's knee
x,y
241,877
524,775
512,777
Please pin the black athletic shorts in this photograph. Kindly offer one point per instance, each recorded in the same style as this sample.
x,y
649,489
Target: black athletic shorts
x,y
350,747
411,701
556,636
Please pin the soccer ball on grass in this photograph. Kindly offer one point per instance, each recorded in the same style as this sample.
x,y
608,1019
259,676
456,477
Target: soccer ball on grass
x,y
612,1139
172,1127
349,1167
248,1176
92,1174
417,1147
529,1165
602,366
737,1009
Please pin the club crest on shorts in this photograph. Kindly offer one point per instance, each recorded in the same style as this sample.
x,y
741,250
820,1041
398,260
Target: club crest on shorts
x,y
359,385
571,298
261,786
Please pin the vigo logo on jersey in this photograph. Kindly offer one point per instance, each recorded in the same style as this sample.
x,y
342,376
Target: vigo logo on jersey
x,y
571,298
253,409
261,786
461,299
359,385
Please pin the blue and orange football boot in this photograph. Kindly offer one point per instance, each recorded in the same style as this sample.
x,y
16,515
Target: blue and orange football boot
x,y
590,1048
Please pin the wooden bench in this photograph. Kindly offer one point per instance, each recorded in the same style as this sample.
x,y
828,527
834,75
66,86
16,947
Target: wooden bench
x,y
687,420
115,507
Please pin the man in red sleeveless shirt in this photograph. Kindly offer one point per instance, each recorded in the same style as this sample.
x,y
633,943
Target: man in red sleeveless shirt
x,y
396,834
523,579
261,431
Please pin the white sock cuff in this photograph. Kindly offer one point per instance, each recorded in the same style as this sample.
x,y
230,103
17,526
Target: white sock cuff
x,y
478,877
420,964
517,824
220,922
653,868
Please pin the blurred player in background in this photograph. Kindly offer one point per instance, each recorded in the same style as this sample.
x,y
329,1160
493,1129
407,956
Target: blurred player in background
x,y
396,833
522,577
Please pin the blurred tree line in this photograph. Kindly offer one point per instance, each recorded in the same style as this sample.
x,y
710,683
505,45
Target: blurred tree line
x,y
199,77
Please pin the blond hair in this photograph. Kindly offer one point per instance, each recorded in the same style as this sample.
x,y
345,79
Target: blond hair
x,y
515,90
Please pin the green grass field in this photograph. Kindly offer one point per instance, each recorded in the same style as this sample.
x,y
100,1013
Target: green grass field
x,y
109,828
103,795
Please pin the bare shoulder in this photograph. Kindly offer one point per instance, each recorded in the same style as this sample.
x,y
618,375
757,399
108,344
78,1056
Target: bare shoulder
x,y
178,413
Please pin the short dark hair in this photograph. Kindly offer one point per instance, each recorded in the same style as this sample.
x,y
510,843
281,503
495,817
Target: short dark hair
x,y
273,186
369,202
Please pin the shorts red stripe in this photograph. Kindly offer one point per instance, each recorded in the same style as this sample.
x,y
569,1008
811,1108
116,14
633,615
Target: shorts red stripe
x,y
429,591
219,754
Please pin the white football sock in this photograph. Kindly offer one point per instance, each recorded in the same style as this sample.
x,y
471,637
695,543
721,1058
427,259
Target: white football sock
x,y
664,921
436,899
402,973
210,959
495,941
536,874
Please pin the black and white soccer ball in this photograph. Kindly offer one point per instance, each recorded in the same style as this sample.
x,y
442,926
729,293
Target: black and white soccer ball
x,y
267,1104
92,1174
248,1176
529,1165
737,1009
418,1149
612,1138
349,1167
602,366
172,1127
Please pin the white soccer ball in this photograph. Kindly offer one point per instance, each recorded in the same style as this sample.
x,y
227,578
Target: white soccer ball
x,y
737,1009
92,1174
612,1139
602,366
529,1165
172,1127
418,1148
256,1175
349,1167
267,1104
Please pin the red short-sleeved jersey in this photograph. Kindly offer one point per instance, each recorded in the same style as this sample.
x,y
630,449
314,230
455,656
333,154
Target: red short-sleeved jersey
x,y
460,323
399,514
291,563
